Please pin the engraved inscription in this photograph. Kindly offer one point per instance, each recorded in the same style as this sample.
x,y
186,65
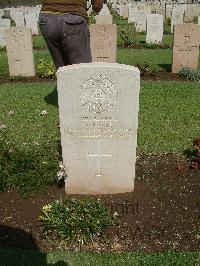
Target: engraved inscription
x,y
100,122
98,94
98,133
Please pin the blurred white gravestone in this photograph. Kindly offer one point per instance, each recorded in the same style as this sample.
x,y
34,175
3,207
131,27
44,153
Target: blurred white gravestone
x,y
154,28
19,19
20,52
103,42
4,25
141,21
132,15
32,23
177,15
104,11
98,123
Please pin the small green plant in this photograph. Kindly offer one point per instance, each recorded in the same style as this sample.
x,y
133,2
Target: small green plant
x,y
91,18
190,73
2,49
168,21
194,154
17,78
145,69
76,220
128,34
46,68
113,11
152,45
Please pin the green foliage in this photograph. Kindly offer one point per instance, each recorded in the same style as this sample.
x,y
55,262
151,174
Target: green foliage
x,y
2,49
190,73
13,24
46,68
145,69
113,12
28,169
194,154
17,78
76,220
91,18
128,34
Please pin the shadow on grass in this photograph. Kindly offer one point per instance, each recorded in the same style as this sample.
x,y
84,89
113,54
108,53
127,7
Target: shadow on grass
x,y
166,67
52,98
18,247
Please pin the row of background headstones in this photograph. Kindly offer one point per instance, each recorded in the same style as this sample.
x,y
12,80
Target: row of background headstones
x,y
103,41
28,16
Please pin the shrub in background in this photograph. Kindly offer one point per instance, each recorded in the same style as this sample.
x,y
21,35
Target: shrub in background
x,y
46,68
190,73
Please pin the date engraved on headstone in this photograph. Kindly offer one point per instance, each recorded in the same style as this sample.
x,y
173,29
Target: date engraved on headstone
x,y
98,94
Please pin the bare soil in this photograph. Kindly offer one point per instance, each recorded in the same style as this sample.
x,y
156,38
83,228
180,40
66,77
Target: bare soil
x,y
163,212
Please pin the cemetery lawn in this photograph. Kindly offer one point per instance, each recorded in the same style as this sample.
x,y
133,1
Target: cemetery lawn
x,y
163,212
33,258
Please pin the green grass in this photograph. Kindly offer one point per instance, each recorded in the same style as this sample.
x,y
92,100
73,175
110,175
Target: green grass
x,y
33,258
158,59
169,115
38,42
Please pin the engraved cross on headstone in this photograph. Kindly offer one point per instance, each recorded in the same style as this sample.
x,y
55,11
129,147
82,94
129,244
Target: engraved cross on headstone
x,y
98,156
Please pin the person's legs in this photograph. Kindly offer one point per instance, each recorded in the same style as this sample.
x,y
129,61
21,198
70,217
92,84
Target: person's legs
x,y
75,39
48,25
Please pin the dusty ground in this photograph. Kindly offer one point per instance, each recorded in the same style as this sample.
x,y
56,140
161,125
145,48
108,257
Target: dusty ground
x,y
163,213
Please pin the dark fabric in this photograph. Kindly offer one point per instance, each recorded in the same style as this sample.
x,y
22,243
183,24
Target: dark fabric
x,y
76,7
67,37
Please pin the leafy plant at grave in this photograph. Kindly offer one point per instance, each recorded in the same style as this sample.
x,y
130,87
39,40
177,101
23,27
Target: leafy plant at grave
x,y
17,78
128,34
168,21
152,45
145,69
190,73
79,221
194,154
113,12
91,18
13,24
28,168
46,68
2,49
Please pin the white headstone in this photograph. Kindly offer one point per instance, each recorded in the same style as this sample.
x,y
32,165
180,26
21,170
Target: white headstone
x,y
20,52
177,15
199,20
168,11
4,25
104,11
140,24
19,19
154,28
132,15
99,126
31,23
